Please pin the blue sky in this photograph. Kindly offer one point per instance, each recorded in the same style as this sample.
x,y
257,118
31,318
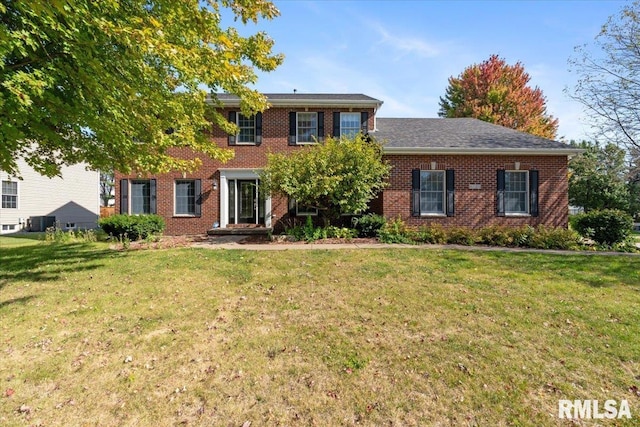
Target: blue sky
x,y
403,51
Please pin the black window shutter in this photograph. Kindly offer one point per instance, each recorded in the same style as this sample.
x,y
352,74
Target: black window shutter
x,y
124,196
292,128
292,207
450,178
320,126
336,124
258,128
533,192
415,192
198,193
500,193
364,122
153,202
232,119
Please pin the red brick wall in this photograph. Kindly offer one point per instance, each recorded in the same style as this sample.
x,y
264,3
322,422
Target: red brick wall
x,y
474,208
477,208
275,136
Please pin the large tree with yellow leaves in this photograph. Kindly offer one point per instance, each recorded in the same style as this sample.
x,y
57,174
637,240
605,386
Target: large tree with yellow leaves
x,y
119,84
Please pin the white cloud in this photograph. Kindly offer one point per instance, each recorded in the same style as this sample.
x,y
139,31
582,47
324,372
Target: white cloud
x,y
404,45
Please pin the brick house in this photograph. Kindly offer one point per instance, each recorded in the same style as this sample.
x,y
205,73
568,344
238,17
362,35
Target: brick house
x,y
454,172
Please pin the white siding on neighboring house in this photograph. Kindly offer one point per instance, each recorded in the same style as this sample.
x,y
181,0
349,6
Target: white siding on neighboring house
x,y
74,199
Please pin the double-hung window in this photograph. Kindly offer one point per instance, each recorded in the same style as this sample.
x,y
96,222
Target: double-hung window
x,y
433,192
517,192
249,129
247,126
185,197
9,195
307,127
138,196
349,124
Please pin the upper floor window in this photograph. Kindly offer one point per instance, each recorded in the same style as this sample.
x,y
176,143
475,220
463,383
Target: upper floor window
x,y
349,124
307,127
249,129
247,126
9,195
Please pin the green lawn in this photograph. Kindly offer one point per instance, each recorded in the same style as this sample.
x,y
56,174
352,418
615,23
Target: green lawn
x,y
92,336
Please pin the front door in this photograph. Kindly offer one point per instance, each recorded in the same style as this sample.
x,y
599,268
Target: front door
x,y
247,201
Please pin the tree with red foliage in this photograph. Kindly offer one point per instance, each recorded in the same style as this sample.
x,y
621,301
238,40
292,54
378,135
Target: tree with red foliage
x,y
497,92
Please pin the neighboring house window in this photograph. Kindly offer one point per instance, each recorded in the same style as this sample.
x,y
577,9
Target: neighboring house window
x,y
187,194
9,195
138,196
306,127
349,124
433,192
517,192
249,129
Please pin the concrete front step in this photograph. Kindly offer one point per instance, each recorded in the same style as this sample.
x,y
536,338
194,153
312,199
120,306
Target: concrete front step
x,y
240,231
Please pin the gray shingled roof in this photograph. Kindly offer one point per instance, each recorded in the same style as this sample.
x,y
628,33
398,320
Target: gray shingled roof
x,y
306,97
457,134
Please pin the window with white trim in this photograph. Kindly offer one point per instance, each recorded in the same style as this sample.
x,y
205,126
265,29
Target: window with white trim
x,y
516,192
9,195
349,124
306,127
185,193
140,197
247,127
432,196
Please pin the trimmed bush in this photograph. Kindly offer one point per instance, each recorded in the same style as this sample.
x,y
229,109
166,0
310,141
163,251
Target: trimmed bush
x,y
369,225
461,236
133,227
554,238
606,227
433,234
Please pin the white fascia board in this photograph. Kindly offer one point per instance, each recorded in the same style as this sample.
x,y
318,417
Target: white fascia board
x,y
297,102
492,151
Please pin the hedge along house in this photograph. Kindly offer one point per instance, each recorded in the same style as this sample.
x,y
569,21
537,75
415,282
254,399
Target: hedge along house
x,y
454,172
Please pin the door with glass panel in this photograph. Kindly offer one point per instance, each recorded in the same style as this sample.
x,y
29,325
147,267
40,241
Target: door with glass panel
x,y
246,204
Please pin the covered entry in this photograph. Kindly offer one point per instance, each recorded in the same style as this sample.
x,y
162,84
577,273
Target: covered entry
x,y
241,201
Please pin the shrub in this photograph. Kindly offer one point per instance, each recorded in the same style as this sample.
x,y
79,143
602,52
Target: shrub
x,y
133,227
341,232
495,236
433,234
461,236
369,225
395,231
606,227
554,238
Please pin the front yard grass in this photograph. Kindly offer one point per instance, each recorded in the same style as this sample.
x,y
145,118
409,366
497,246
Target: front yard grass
x,y
92,336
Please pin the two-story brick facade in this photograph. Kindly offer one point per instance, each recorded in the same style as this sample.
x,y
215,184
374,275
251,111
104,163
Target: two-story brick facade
x,y
460,172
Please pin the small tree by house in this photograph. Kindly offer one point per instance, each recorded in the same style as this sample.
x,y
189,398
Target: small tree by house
x,y
338,176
